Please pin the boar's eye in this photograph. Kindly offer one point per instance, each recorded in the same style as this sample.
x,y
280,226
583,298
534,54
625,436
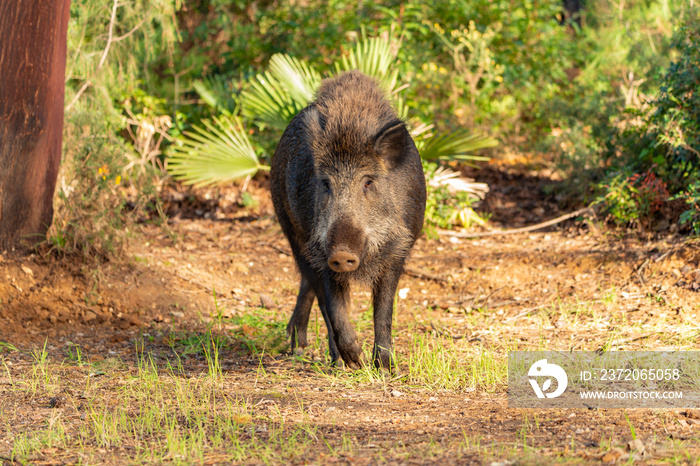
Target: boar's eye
x,y
368,184
326,186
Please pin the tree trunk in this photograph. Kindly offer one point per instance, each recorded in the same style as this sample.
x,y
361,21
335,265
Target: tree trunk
x,y
32,75
572,11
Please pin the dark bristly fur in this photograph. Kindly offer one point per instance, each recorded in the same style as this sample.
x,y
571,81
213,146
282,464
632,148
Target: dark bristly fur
x,y
349,191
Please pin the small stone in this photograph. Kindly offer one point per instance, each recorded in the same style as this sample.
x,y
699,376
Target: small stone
x,y
396,393
267,302
27,270
663,225
89,316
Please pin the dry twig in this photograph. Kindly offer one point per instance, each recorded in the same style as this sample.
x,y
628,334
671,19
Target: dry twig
x,y
88,83
538,226
443,333
420,273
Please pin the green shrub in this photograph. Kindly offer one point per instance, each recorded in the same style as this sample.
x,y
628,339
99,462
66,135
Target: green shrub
x,y
447,208
486,64
114,127
656,153
691,196
676,122
89,217
631,197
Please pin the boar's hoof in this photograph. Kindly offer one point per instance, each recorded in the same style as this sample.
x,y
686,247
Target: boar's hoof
x,y
353,357
343,261
384,361
338,364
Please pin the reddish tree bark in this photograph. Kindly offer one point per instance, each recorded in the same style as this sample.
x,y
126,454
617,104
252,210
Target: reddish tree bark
x,y
32,75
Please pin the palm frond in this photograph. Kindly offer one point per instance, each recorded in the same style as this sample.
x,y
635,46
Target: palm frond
x,y
454,182
300,79
277,95
420,129
267,100
401,108
456,145
215,91
218,153
376,57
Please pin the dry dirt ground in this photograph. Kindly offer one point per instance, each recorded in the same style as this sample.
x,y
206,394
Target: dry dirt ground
x,y
140,360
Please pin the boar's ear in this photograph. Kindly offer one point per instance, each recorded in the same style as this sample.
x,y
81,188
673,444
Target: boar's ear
x,y
391,142
314,125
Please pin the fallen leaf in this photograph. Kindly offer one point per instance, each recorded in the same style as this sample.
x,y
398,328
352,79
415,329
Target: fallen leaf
x,y
636,445
613,455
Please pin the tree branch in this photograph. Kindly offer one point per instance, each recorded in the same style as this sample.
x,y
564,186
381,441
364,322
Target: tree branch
x,y
88,83
109,35
538,226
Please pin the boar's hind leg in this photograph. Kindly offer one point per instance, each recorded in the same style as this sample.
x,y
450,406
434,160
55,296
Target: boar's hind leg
x,y
336,297
296,329
383,294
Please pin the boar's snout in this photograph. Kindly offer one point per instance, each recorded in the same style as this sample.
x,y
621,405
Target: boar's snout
x,y
345,243
343,261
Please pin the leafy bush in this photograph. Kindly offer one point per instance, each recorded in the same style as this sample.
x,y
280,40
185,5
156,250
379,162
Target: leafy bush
x,y
445,207
630,197
114,128
602,115
488,65
88,208
675,124
691,196
656,154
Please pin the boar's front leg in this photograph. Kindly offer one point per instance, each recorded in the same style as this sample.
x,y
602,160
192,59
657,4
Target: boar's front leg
x,y
299,322
383,294
332,349
336,301
296,329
